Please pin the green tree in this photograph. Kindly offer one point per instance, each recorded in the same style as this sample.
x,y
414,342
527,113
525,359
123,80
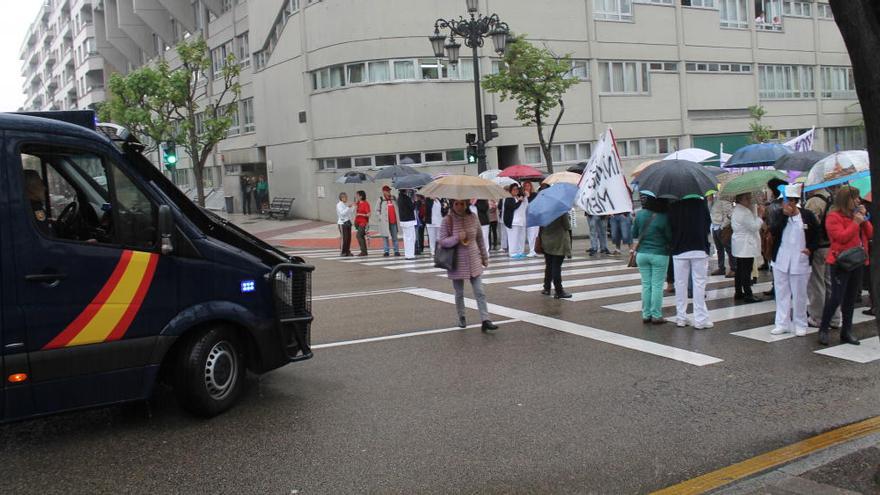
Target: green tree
x,y
536,79
760,133
179,104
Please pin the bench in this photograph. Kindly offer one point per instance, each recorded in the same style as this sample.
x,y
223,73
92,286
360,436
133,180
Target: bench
x,y
279,206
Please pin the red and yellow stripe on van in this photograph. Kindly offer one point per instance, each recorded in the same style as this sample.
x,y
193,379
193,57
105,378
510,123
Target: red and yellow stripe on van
x,y
111,312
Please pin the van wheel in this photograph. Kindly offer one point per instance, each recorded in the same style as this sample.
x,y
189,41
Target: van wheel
x,y
210,372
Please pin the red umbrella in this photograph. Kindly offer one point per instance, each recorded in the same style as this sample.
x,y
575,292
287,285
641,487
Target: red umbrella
x,y
521,172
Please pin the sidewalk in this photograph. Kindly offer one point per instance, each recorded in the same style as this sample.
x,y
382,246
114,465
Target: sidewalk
x,y
297,233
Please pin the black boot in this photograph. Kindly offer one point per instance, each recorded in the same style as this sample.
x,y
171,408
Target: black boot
x,y
488,325
847,338
823,336
462,323
562,295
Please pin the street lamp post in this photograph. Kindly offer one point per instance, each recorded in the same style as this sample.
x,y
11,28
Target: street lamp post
x,y
473,31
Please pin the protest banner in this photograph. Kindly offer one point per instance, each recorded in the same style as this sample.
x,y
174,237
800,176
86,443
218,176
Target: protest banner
x,y
603,189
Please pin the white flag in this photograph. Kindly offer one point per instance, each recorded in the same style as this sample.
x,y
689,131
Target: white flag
x,y
603,189
804,142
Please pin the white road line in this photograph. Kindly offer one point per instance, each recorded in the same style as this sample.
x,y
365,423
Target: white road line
x,y
565,273
323,252
360,294
585,282
763,333
497,267
868,351
742,311
669,301
403,335
589,295
596,334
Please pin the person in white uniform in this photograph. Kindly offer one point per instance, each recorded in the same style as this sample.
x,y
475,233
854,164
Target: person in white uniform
x,y
531,232
434,219
690,224
795,237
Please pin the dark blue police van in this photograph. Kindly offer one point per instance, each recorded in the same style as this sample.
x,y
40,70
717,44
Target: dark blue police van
x,y
112,279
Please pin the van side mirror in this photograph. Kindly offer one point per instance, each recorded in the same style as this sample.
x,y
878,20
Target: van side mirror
x,y
166,227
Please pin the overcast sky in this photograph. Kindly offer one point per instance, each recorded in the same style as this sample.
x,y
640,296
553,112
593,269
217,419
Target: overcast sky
x,y
16,17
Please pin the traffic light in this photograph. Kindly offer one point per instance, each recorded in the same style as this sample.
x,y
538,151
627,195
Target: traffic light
x,y
470,138
490,122
169,154
472,154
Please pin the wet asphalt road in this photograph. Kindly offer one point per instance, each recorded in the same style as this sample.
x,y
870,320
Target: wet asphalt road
x,y
525,410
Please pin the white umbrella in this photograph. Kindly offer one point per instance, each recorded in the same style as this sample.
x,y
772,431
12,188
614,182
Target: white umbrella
x,y
838,165
504,181
490,174
691,154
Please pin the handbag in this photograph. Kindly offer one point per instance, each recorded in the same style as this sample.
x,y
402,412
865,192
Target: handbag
x,y
852,259
445,257
632,263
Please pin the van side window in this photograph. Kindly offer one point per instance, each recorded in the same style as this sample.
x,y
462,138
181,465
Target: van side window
x,y
81,196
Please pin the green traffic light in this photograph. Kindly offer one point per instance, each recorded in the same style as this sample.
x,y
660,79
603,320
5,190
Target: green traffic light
x,y
171,159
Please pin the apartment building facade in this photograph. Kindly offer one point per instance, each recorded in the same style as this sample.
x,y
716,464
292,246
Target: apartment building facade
x,y
335,85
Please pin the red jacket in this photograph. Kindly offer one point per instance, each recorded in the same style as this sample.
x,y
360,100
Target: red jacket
x,y
844,234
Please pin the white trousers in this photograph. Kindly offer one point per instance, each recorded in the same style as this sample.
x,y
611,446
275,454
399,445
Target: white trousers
x,y
516,239
485,229
698,269
503,234
533,237
433,237
409,239
791,299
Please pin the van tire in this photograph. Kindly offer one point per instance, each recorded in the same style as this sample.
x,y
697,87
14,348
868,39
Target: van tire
x,y
210,372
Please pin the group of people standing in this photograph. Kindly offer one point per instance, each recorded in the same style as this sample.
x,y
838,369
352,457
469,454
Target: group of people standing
x,y
253,190
818,253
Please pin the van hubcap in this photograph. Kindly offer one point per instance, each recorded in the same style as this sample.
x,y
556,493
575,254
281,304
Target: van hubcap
x,y
221,370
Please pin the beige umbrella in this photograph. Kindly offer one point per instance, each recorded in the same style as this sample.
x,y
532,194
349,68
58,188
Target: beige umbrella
x,y
642,166
464,187
566,177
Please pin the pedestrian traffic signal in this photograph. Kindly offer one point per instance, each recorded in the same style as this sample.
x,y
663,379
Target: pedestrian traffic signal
x,y
169,154
491,123
470,138
472,154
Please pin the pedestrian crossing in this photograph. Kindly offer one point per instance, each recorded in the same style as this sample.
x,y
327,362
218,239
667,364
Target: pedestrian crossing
x,y
615,287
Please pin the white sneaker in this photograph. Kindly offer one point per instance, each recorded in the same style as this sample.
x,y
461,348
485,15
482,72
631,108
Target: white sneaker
x,y
800,332
681,323
531,255
779,331
704,326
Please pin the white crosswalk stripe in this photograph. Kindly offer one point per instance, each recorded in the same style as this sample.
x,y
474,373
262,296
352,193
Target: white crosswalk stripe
x,y
565,273
867,352
669,301
763,333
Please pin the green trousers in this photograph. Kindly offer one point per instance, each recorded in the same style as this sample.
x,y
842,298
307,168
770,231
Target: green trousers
x,y
653,269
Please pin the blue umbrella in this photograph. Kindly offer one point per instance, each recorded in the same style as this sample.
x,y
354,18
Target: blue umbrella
x,y
757,155
550,204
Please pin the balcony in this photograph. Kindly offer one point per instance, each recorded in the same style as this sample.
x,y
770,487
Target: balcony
x,y
52,83
50,57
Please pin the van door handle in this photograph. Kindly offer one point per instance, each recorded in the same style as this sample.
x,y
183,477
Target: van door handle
x,y
46,277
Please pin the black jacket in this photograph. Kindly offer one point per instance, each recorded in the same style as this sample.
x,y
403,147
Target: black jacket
x,y
405,208
483,211
778,222
690,223
429,209
510,206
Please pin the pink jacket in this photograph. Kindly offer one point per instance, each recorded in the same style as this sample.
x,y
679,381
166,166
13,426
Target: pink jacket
x,y
469,259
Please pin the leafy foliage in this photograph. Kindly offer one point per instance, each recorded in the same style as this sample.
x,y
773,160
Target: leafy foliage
x,y
760,133
164,104
537,80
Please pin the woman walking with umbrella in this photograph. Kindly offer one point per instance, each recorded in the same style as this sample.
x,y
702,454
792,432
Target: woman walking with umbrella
x,y
461,230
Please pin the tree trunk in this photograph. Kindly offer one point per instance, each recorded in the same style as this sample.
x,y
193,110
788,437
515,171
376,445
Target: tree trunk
x,y
545,146
859,24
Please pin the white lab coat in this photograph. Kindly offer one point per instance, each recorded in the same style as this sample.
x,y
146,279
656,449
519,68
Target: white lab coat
x,y
746,240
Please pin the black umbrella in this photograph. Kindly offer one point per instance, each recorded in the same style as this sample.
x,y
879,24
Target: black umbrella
x,y
354,178
676,179
800,161
578,169
412,181
715,171
395,171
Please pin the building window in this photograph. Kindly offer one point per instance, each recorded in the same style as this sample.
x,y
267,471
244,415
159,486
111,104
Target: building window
x,y
356,73
663,67
624,77
647,147
844,138
234,127
200,123
661,2
247,113
785,82
400,70
378,71
716,68
243,51
454,156
225,6
734,13
793,8
363,161
709,4
218,58
612,10
837,82
768,15
824,11
580,69
561,153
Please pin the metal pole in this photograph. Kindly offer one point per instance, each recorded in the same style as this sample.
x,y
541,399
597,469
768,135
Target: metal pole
x,y
481,142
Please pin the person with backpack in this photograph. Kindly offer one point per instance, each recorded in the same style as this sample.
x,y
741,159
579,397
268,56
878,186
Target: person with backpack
x,y
820,277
